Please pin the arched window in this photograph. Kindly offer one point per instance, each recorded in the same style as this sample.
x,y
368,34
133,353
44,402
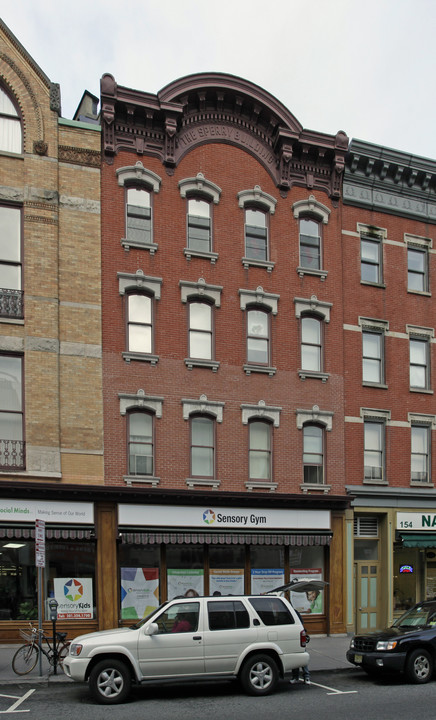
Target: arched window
x,y
10,125
258,336
200,330
140,441
313,454
139,323
202,446
138,216
311,343
256,234
260,450
310,244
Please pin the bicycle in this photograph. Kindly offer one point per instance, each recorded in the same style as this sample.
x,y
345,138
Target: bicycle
x,y
27,655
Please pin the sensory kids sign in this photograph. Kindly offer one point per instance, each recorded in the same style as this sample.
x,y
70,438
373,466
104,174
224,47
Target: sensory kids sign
x,y
74,596
139,592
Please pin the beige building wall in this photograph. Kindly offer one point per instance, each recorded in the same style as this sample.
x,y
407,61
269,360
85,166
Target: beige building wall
x,y
56,182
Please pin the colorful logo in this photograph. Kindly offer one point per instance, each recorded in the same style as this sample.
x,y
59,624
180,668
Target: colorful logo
x,y
73,590
209,517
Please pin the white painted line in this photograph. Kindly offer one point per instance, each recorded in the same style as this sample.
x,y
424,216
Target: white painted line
x,y
13,707
333,690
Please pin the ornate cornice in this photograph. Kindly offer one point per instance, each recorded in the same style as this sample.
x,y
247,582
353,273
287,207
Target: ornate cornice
x,y
378,178
214,107
79,156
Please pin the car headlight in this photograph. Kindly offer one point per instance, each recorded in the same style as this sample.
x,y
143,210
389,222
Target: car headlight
x,y
75,649
352,643
386,644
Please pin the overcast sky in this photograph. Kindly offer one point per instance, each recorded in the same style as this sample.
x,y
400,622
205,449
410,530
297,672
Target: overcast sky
x,y
363,66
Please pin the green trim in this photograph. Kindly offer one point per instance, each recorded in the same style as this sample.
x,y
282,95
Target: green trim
x,y
77,124
419,540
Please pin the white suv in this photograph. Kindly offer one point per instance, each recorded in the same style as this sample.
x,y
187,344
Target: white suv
x,y
256,638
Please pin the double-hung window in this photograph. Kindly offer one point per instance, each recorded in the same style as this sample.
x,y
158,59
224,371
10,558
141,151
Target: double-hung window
x,y
417,270
260,450
371,266
139,323
199,225
11,296
372,357
313,454
12,455
420,454
311,344
419,363
10,125
258,336
256,234
138,216
200,330
310,244
374,439
202,447
141,445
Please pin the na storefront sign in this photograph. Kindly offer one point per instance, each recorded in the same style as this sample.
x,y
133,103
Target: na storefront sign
x,y
422,521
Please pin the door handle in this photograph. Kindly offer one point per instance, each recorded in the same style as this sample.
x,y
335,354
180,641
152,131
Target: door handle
x,y
197,637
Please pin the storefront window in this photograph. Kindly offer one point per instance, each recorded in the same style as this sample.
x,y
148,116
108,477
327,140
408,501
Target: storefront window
x,y
18,598
409,570
226,570
184,570
139,578
307,562
267,568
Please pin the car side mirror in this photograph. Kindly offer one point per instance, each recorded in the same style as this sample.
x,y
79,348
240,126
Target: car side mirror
x,y
151,629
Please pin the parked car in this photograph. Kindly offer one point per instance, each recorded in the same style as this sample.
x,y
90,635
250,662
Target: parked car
x,y
257,639
408,646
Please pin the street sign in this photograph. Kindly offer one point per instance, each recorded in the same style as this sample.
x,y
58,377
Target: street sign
x,y
39,543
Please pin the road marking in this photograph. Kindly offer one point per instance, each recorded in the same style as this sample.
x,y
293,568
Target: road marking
x,y
19,700
333,690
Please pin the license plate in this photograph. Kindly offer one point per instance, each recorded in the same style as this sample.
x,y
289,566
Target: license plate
x,y
358,658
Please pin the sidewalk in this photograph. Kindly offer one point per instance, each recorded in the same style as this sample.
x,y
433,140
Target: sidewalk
x,y
326,653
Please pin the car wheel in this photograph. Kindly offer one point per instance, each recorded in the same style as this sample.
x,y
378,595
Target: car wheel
x,y
419,666
259,675
110,681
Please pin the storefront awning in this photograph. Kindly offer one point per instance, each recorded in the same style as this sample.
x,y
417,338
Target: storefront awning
x,y
419,540
28,533
181,538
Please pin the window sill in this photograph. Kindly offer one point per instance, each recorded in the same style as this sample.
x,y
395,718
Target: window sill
x,y
425,293
303,374
311,487
251,262
142,357
302,271
375,482
213,257
193,482
248,369
382,386
142,479
426,391
11,320
260,485
127,244
417,483
373,284
194,362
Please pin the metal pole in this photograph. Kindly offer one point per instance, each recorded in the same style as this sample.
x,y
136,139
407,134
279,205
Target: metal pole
x,y
40,618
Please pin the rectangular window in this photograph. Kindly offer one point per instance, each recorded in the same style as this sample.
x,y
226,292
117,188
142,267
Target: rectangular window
x,y
310,244
140,337
140,443
417,270
372,357
420,454
200,330
12,455
374,450
311,349
260,451
138,216
199,225
370,260
313,456
11,296
258,350
202,447
419,365
256,234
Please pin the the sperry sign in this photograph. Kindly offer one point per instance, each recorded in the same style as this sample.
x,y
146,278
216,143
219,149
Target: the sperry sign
x,y
416,521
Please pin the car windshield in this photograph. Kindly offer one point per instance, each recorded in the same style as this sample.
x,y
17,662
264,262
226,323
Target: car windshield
x,y
148,617
417,617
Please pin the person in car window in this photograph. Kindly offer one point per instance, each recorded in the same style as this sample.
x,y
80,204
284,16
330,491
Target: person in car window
x,y
191,593
181,624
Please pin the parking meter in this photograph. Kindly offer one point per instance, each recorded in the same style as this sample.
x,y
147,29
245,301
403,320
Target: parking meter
x,y
53,606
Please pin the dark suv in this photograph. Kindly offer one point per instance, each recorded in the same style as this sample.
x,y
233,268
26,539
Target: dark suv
x,y
408,646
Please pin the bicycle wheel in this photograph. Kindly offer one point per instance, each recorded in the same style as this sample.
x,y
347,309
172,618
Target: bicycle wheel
x,y
25,659
63,651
